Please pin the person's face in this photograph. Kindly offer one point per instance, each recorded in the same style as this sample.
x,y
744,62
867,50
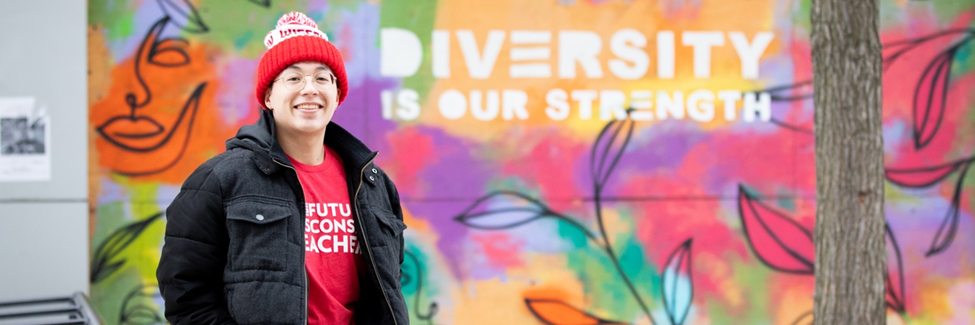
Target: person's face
x,y
303,99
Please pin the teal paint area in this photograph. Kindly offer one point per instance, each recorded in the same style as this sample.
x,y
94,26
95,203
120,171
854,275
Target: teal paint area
x,y
420,289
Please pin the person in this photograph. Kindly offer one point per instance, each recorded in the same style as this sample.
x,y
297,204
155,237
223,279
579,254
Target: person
x,y
294,223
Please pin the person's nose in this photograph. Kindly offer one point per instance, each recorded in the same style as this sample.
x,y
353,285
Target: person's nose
x,y
308,87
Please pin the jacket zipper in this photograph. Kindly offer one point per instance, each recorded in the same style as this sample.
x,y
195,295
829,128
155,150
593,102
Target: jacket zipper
x,y
365,238
304,272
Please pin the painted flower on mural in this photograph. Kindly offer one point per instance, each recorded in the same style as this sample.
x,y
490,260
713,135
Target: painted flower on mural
x,y
509,209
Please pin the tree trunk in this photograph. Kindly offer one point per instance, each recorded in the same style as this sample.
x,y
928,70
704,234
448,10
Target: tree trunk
x,y
849,235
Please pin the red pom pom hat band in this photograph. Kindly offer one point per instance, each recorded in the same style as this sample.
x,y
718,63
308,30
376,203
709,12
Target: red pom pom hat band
x,y
297,39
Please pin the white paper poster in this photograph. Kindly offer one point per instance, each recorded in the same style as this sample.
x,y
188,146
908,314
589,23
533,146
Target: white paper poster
x,y
25,141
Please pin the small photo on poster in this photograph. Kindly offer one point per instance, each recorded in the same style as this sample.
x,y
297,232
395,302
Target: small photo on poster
x,y
19,136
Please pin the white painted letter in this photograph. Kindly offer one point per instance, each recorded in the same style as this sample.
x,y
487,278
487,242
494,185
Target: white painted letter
x,y
702,43
665,55
628,45
581,46
700,105
763,106
480,65
730,98
452,104
674,106
611,105
558,105
585,98
641,104
750,53
490,111
409,107
400,54
386,97
532,53
513,104
441,53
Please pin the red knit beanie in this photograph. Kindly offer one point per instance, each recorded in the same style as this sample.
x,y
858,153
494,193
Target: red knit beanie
x,y
297,39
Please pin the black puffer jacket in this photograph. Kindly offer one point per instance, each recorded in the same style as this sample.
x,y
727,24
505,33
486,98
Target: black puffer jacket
x,y
234,246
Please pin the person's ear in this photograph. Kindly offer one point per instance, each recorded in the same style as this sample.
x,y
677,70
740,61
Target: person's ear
x,y
267,98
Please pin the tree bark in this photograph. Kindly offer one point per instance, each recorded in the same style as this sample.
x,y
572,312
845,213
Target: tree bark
x,y
849,235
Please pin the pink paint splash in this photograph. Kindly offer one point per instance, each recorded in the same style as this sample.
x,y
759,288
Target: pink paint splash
x,y
412,151
501,250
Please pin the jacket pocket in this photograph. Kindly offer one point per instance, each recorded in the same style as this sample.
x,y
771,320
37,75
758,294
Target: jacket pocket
x,y
391,227
258,236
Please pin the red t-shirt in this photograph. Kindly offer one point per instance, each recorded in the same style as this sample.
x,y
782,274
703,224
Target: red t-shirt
x,y
332,254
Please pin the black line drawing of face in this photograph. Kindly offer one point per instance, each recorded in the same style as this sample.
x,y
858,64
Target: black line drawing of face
x,y
146,146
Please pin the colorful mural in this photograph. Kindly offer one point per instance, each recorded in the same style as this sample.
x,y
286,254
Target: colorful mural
x,y
559,161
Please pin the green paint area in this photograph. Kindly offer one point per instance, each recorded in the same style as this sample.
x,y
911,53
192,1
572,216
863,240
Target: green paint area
x,y
125,256
419,17
417,263
419,288
755,307
126,299
604,286
572,235
240,26
964,60
801,18
784,203
751,192
117,17
108,218
948,11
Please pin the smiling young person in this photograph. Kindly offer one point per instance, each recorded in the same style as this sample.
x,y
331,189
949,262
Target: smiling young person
x,y
294,223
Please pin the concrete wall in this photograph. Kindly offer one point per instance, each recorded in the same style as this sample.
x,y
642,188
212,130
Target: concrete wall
x,y
44,224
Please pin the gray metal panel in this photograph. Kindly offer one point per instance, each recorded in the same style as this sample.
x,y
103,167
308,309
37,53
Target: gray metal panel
x,y
44,55
43,249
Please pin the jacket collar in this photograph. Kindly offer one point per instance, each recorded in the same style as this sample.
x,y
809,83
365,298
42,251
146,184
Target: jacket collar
x,y
260,138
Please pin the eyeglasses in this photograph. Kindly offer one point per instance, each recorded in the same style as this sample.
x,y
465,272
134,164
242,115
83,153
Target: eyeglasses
x,y
295,81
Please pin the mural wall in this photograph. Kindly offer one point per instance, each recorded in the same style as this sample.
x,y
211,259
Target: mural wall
x,y
559,161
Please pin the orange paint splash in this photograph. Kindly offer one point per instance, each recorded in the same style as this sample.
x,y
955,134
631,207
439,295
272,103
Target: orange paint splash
x,y
157,121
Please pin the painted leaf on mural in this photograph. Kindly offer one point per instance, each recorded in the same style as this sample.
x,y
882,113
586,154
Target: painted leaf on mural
x,y
678,287
924,176
949,226
556,312
929,98
895,273
508,209
931,89
609,147
137,308
184,15
262,3
105,260
778,241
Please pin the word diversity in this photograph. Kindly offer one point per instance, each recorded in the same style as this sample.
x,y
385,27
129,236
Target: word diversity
x,y
530,54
